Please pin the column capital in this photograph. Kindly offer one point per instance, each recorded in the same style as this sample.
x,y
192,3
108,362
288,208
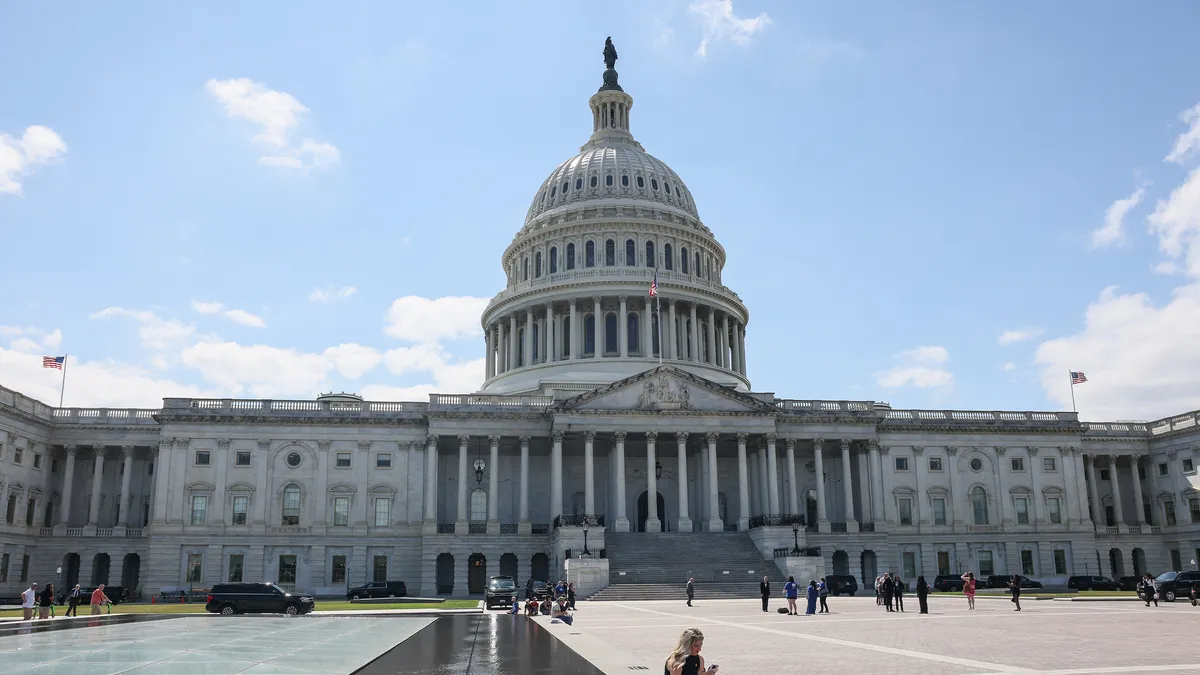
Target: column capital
x,y
525,441
620,436
493,440
623,298
951,450
681,437
790,443
364,445
845,443
223,443
918,449
1033,450
771,437
671,303
264,444
72,449
324,444
127,450
99,449
1000,450
651,436
181,443
404,446
431,440
556,436
818,442
571,302
596,299
589,435
463,439
741,438
712,437
884,450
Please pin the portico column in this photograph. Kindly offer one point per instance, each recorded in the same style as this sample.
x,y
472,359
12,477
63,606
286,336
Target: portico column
x,y
126,475
742,347
623,325
68,484
431,461
725,342
574,332
793,501
702,488
512,341
685,523
743,523
1118,510
1089,464
589,474
758,482
693,335
819,467
1137,491
598,346
527,343
736,364
556,476
494,480
653,524
1035,471
524,504
487,339
847,483
622,522
671,343
773,474
711,333
877,484
715,524
552,336
97,485
461,513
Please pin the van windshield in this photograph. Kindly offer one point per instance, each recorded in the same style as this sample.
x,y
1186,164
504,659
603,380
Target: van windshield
x,y
501,584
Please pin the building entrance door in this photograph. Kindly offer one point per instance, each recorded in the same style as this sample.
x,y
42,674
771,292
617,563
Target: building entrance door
x,y
476,573
644,509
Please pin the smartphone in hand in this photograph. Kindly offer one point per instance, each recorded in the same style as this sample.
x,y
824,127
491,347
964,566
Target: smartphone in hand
x,y
712,668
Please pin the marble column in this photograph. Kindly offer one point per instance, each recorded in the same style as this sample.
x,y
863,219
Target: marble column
x,y
573,340
715,524
725,342
1118,509
126,475
487,338
431,462
589,473
527,343
64,517
742,346
711,334
461,514
1089,463
758,481
1137,491
819,467
623,325
702,488
877,484
524,503
622,522
494,482
693,335
556,475
736,363
1081,485
598,346
773,474
653,524
512,341
847,483
97,486
743,486
671,342
793,494
685,522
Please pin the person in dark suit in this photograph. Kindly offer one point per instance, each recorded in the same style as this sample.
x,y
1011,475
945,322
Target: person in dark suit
x,y
764,589
691,590
889,587
923,595
529,589
898,593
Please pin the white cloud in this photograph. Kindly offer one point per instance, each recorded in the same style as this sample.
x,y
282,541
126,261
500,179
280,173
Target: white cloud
x,y
329,293
33,340
1009,366
266,371
1189,141
425,320
154,331
102,383
721,23
1113,230
1176,222
665,38
278,114
240,316
38,145
207,307
1009,337
922,367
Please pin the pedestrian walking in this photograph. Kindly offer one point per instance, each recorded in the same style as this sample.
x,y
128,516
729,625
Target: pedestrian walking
x,y
1015,586
791,591
571,596
887,587
46,601
764,589
691,590
28,599
922,595
812,598
879,591
73,599
898,593
99,598
528,589
823,594
1148,590
969,589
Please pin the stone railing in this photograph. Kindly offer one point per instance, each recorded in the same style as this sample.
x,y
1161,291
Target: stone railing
x,y
1116,429
787,405
539,528
122,416
837,527
580,520
785,552
45,531
74,531
777,520
445,528
287,407
491,400
291,529
867,526
509,528
615,274
104,531
19,401
1177,423
133,533
477,528
979,417
985,528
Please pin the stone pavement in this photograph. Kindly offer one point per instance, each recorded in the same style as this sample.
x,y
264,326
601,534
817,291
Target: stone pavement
x,y
1065,638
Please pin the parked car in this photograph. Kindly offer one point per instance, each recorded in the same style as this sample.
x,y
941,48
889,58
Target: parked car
x,y
1172,585
949,583
541,590
261,598
378,589
1092,583
1128,583
501,590
841,583
1002,580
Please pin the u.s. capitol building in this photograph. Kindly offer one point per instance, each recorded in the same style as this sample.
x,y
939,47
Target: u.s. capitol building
x,y
600,410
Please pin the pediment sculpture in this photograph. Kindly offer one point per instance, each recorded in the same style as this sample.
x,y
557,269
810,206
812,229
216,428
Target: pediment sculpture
x,y
663,393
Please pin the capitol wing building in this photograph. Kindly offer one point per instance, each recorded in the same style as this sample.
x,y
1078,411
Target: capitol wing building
x,y
604,411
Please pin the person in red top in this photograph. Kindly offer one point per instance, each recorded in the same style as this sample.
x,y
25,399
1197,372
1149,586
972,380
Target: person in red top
x,y
969,589
99,598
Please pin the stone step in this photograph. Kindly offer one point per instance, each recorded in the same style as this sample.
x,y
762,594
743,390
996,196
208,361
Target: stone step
x,y
671,558
710,591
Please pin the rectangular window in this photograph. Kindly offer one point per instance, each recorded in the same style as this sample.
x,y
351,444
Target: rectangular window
x,y
909,560
1169,516
986,567
935,463
337,570
939,511
1163,469
236,562
1110,515
37,461
25,567
1048,464
199,509
1027,562
3,568
48,519
1193,507
287,569
1148,511
53,466
32,504
195,568
379,567
1054,510
1103,474
383,460
902,464
383,511
1142,473
943,563
343,460
1188,466
291,506
341,511
1176,562
241,504
1022,506
1017,464
242,458
905,512
1060,562
18,454
203,457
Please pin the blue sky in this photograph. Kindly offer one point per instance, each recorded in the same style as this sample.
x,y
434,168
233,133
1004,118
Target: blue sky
x,y
941,204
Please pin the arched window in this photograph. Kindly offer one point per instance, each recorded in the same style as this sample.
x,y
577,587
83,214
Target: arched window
x,y
610,253
610,333
625,181
553,259
566,185
667,188
683,259
578,183
650,260
570,256
525,269
291,505
520,347
536,342
553,191
630,253
537,264
641,182
566,338
668,261
654,184
608,180
697,263
589,254
479,503
979,505
593,181
589,334
634,323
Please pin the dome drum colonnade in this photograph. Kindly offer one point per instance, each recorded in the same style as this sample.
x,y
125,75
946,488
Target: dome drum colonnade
x,y
601,228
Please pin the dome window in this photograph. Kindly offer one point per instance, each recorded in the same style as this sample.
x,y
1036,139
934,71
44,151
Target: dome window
x,y
537,265
654,184
697,263
578,183
608,180
668,261
677,193
624,181
610,334
630,253
610,253
641,182
570,256
553,191
525,269
589,335
566,186
589,254
683,261
594,181
667,188
553,259
650,254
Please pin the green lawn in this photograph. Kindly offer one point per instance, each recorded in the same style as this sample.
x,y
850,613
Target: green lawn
x,y
198,608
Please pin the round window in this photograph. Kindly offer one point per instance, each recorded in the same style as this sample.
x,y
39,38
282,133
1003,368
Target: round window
x,y
976,464
293,459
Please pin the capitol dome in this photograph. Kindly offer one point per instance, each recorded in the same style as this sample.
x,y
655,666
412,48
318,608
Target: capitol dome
x,y
603,227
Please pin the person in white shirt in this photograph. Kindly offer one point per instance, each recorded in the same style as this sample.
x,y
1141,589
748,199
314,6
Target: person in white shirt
x,y
28,598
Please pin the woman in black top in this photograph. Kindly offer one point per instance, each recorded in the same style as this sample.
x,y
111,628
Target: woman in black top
x,y
1015,585
923,595
45,601
686,659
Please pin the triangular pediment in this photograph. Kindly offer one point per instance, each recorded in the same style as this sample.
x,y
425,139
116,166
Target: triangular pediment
x,y
667,389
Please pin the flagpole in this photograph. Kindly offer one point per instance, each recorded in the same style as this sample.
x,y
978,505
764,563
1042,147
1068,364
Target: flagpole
x,y
62,390
658,311
1072,381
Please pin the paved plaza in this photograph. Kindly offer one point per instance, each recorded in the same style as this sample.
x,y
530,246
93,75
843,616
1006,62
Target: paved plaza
x,y
858,637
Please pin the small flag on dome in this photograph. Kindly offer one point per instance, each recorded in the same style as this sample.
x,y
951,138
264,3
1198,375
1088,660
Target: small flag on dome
x,y
654,285
1077,377
53,362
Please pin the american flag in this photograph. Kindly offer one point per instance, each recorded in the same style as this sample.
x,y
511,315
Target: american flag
x,y
654,285
1078,377
53,362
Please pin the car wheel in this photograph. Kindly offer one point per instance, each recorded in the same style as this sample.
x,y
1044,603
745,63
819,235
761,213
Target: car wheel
x,y
356,596
852,594
291,610
1169,596
228,610
391,595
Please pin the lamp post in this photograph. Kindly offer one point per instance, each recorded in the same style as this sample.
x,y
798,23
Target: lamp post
x,y
658,470
796,538
585,548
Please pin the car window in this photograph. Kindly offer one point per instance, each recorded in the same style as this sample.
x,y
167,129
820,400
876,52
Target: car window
x,y
1166,576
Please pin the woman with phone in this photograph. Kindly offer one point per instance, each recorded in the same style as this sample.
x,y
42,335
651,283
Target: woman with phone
x,y
969,589
686,659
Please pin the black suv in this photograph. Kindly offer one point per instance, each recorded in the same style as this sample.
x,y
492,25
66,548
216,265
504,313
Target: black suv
x,y
950,583
1092,583
378,589
841,583
1172,585
1002,581
261,598
501,590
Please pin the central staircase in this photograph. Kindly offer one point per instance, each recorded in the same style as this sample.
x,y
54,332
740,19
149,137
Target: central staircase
x,y
646,566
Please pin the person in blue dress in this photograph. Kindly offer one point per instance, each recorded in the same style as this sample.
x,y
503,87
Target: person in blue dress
x,y
792,591
812,598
